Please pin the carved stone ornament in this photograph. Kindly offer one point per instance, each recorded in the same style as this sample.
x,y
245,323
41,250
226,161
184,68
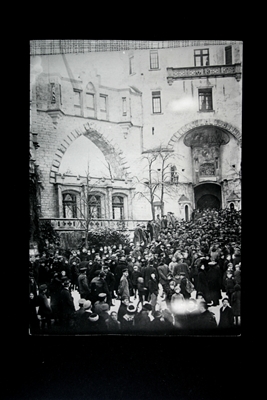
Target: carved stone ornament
x,y
206,135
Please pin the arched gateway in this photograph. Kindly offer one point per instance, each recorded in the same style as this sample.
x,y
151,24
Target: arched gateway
x,y
206,138
111,152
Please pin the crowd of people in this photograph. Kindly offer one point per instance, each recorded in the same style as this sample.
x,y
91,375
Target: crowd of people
x,y
164,281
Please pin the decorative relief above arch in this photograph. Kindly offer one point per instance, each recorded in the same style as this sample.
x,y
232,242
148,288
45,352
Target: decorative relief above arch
x,y
206,122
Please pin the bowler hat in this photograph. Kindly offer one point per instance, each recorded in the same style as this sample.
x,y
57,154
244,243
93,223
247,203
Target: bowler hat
x,y
101,296
93,317
42,287
131,309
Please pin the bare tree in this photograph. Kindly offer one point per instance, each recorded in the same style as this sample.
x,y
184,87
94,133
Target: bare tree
x,y
159,178
88,207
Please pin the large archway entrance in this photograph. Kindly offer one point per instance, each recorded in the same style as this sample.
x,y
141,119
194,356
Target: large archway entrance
x,y
207,195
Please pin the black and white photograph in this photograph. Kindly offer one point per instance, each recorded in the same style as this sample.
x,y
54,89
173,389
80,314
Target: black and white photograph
x,y
135,187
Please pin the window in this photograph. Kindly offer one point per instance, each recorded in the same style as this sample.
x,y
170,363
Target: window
x,y
117,207
94,206
69,206
201,57
77,98
53,93
205,99
90,101
78,101
103,102
228,55
154,60
131,65
156,102
124,106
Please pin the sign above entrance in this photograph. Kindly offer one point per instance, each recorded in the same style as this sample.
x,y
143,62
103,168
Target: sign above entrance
x,y
206,135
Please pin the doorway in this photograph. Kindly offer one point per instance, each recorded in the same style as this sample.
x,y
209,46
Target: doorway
x,y
207,195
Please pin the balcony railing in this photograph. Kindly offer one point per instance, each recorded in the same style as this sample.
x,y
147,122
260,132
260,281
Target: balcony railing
x,y
77,224
205,71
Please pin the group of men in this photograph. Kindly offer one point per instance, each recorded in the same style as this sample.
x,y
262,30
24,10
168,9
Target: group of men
x,y
164,281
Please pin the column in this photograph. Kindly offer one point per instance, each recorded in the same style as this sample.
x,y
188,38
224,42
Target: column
x,y
60,201
109,203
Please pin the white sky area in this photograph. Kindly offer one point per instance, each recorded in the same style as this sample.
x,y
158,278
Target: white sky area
x,y
77,156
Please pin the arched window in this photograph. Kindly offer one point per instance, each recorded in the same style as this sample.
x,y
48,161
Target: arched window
x,y
232,206
69,206
94,206
117,207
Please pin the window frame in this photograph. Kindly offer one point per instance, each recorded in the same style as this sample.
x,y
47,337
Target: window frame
x,y
207,93
156,94
119,205
97,204
150,60
201,57
78,106
229,55
131,65
72,202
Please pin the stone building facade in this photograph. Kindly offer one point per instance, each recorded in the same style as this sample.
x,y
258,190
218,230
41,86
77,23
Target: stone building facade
x,y
182,104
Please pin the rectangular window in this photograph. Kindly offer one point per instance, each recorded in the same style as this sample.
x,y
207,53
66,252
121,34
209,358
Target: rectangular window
x,y
156,102
103,102
131,65
154,59
77,98
78,102
201,57
228,55
124,106
90,101
205,99
53,93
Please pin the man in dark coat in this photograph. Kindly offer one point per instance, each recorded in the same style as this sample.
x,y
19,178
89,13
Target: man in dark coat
x,y
83,286
163,272
205,320
66,309
150,230
44,311
214,283
99,285
226,315
122,264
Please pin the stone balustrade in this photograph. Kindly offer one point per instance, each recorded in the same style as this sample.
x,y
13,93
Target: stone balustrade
x,y
204,71
78,224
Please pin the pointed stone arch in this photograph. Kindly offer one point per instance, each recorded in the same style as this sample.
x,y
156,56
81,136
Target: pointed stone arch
x,y
201,122
113,154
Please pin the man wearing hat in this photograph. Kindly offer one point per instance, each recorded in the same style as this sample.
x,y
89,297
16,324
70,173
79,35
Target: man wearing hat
x,y
128,320
123,289
83,286
95,324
